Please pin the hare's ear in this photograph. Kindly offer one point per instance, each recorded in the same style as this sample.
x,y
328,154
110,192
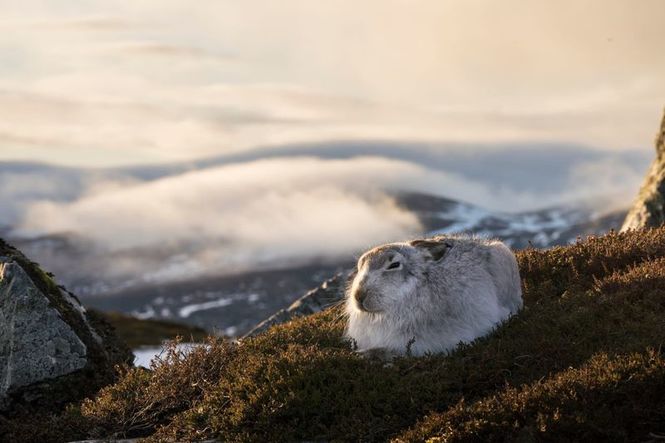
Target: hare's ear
x,y
437,249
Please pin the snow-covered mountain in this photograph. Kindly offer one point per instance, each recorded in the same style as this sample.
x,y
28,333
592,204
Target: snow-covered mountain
x,y
231,304
541,228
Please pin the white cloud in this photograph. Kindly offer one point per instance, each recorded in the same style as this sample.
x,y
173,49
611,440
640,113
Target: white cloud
x,y
241,216
272,209
19,190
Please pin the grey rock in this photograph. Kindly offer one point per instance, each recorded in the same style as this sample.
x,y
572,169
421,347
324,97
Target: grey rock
x,y
648,211
52,351
326,295
35,342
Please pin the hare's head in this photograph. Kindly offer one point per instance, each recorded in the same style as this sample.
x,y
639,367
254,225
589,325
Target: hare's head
x,y
388,277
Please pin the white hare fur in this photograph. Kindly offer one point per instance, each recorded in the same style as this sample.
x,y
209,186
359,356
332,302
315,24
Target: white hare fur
x,y
429,295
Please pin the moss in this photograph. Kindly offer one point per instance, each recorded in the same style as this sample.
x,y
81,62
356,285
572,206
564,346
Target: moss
x,y
580,352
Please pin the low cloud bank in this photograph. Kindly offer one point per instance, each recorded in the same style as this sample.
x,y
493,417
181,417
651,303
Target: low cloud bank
x,y
242,216
234,216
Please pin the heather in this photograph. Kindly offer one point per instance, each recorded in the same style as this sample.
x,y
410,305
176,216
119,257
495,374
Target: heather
x,y
582,361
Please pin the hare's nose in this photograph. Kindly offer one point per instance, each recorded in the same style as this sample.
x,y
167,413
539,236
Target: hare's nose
x,y
360,296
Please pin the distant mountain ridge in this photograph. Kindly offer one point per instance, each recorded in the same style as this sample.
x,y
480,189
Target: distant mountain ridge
x,y
541,165
540,228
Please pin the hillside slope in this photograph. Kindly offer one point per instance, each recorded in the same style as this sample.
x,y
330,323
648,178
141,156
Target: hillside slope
x,y
582,361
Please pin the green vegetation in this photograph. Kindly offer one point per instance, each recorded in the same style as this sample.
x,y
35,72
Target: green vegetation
x,y
582,361
135,332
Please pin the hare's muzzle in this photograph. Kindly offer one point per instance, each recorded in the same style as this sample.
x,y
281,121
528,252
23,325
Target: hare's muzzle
x,y
360,295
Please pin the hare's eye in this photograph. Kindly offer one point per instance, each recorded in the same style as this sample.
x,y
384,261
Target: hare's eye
x,y
395,265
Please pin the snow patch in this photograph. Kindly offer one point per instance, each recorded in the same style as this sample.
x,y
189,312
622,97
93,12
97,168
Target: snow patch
x,y
188,310
231,331
149,312
144,355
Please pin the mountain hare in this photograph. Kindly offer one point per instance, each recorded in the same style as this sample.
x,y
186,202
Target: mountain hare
x,y
430,295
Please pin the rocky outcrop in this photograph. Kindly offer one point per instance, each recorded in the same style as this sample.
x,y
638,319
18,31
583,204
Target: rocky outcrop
x,y
52,351
327,294
36,342
648,211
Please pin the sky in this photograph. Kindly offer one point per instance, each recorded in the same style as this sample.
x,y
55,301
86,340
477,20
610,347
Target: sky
x,y
280,128
97,83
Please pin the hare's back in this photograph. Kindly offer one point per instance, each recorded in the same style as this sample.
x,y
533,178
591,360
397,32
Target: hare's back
x,y
503,268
